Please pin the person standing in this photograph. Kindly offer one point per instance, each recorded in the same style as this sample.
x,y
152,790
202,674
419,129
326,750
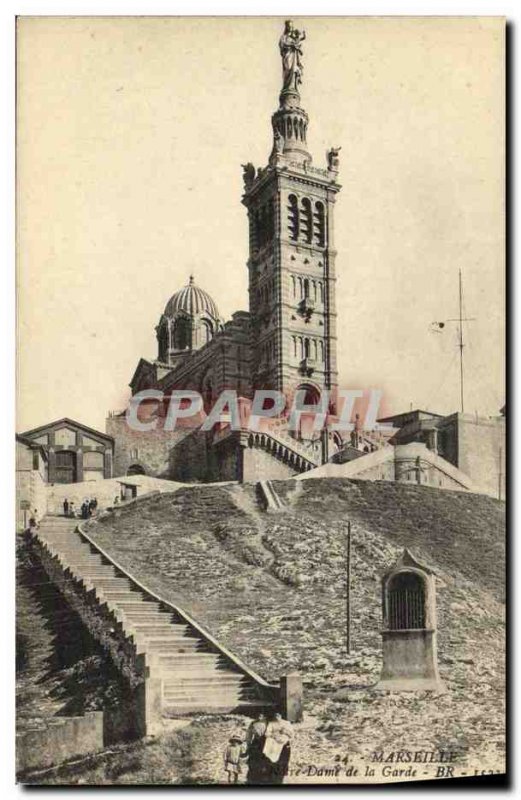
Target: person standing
x,y
233,756
65,508
277,748
255,743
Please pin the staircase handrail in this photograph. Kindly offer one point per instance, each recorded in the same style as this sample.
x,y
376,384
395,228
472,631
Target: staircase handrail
x,y
180,611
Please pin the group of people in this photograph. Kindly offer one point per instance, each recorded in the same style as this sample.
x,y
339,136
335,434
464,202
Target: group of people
x,y
265,751
87,508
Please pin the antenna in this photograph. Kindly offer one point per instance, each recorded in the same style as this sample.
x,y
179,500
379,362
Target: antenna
x,y
461,345
437,327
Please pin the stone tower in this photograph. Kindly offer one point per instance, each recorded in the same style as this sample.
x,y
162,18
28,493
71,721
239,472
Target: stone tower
x,y
291,249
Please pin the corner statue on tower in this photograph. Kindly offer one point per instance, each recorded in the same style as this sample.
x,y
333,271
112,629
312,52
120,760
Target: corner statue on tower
x,y
291,53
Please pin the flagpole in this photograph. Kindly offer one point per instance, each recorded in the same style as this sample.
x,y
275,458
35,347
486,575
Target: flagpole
x,y
461,340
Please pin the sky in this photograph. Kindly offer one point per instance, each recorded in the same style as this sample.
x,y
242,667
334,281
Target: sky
x,y
131,133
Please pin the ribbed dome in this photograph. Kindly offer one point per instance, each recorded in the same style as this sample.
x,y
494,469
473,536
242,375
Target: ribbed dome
x,y
192,300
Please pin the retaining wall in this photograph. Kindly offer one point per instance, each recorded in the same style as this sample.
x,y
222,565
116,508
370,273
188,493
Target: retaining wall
x,y
140,714
64,738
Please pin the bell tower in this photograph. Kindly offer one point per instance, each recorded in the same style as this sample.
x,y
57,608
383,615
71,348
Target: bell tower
x,y
291,260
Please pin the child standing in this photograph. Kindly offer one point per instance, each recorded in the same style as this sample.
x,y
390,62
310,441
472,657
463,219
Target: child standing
x,y
233,756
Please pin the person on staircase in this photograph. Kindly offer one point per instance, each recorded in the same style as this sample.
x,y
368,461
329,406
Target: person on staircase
x,y
65,508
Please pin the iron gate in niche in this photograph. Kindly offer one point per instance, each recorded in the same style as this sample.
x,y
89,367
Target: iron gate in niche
x,y
406,602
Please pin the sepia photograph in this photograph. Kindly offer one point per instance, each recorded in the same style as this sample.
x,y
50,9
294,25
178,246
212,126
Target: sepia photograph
x,y
261,467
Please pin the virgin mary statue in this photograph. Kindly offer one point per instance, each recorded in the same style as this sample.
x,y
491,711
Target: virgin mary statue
x,y
291,52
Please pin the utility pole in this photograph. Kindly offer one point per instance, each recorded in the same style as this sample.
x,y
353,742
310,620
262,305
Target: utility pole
x,y
500,477
348,593
461,339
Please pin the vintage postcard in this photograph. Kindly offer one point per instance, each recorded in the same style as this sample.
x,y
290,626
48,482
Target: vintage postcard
x,y
261,400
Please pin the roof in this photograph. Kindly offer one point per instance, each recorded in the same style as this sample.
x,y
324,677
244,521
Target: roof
x,y
191,300
31,444
68,422
411,413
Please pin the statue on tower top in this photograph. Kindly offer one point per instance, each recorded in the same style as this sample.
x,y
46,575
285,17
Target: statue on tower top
x,y
291,53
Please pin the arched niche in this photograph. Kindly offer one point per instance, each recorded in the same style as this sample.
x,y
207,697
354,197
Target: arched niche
x,y
409,635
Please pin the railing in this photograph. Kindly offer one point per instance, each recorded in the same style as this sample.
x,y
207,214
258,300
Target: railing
x,y
198,628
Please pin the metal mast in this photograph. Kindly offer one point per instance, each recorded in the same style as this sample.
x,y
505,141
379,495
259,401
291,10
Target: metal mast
x,y
461,340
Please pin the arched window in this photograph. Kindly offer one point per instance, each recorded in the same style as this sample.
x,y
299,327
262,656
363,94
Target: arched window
x,y
136,469
319,225
293,217
406,601
306,287
182,334
163,343
306,348
311,394
306,220
207,331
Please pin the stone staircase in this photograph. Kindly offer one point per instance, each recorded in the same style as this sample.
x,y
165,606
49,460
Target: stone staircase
x,y
268,496
196,673
296,455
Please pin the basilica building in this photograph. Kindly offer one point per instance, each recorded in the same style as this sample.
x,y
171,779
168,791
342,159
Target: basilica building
x,y
286,340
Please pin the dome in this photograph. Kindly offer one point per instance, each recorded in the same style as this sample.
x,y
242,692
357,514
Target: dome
x,y
192,300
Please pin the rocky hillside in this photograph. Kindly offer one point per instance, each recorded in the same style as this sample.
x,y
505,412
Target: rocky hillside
x,y
273,589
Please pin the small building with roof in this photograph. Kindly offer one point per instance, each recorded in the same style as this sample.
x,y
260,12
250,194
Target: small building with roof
x,y
75,452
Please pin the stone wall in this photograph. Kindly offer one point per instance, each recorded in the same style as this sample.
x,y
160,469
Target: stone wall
x,y
62,739
480,443
149,450
105,491
30,483
138,717
188,459
407,463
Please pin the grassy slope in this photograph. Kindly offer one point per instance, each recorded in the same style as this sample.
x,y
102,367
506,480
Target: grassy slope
x,y
273,589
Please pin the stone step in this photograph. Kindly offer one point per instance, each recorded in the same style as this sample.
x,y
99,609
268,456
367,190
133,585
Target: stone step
x,y
212,695
139,603
180,661
93,569
180,707
174,643
175,629
189,646
214,679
